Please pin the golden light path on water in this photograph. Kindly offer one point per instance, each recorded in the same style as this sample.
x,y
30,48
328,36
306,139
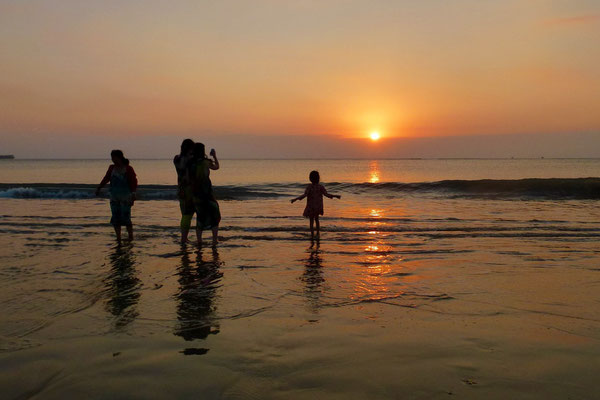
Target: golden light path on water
x,y
374,172
382,266
377,260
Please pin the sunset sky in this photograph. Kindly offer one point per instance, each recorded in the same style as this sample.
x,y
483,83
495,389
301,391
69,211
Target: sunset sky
x,y
79,77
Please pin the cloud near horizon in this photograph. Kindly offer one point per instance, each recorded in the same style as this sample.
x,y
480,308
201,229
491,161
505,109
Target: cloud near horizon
x,y
576,20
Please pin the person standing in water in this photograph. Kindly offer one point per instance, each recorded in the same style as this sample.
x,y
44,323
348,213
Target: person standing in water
x,y
182,163
314,201
208,214
123,184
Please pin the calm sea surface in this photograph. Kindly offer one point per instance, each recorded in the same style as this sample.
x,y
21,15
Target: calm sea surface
x,y
432,278
240,172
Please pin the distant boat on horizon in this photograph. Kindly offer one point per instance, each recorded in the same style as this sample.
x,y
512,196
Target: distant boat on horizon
x,y
7,157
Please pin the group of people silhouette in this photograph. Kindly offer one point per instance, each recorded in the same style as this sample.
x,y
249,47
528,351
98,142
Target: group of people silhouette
x,y
194,191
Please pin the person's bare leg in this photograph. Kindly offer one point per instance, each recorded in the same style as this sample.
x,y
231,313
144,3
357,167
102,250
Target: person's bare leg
x,y
129,232
199,237
215,235
318,226
186,221
118,232
312,228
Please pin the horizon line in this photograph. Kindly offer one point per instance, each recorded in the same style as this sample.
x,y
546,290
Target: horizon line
x,y
314,159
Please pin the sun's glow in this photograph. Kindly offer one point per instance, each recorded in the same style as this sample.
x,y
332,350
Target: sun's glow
x,y
375,136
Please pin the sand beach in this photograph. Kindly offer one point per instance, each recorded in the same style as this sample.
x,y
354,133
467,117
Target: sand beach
x,y
405,295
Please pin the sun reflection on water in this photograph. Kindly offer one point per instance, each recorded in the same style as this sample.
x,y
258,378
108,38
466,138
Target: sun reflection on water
x,y
375,213
372,248
383,273
376,260
374,172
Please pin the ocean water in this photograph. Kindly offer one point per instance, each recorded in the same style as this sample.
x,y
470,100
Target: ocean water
x,y
432,278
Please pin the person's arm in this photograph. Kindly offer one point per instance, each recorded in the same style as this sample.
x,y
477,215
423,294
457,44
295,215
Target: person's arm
x,y
215,163
132,181
104,180
331,196
302,196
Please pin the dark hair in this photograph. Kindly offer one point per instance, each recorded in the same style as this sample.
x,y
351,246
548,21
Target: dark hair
x,y
119,155
314,177
199,151
186,145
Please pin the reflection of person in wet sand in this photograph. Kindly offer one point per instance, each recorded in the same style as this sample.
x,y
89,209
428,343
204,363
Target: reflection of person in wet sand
x,y
198,284
313,276
314,201
122,286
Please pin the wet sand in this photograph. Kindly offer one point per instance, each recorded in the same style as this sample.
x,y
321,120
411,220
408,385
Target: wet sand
x,y
443,309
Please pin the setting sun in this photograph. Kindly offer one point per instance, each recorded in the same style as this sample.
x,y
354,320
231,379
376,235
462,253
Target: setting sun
x,y
375,136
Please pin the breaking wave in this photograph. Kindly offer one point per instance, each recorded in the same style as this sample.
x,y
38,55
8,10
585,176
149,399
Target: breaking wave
x,y
535,188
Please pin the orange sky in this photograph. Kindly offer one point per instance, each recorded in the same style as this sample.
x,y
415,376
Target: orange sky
x,y
336,67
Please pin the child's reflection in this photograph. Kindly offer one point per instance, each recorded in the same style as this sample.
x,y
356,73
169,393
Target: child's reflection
x,y
313,276
198,284
122,286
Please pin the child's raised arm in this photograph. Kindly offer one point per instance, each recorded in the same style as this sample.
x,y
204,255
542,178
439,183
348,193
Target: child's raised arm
x,y
331,196
300,197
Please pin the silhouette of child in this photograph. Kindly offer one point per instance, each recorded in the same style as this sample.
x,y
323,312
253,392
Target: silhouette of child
x,y
314,201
